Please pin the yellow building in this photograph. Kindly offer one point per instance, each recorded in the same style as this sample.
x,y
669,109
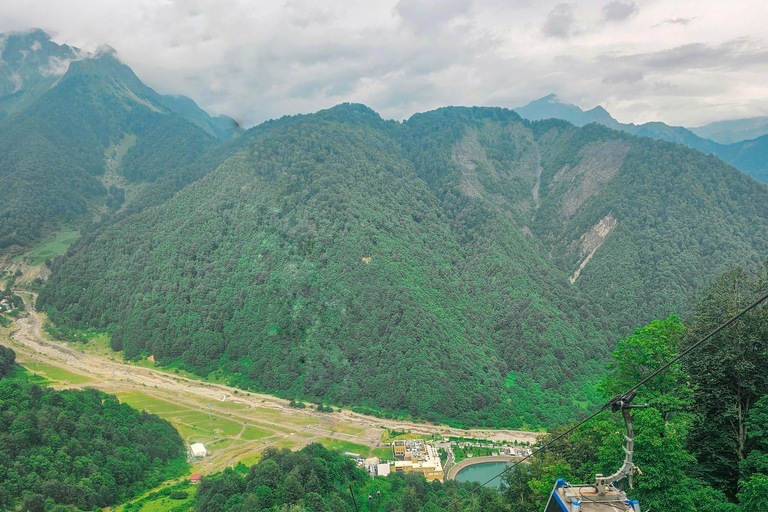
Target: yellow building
x,y
398,450
417,456
430,470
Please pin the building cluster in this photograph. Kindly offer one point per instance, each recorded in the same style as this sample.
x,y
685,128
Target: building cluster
x,y
509,450
417,456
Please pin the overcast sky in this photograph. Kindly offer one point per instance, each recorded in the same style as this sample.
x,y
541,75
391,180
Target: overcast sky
x,y
679,61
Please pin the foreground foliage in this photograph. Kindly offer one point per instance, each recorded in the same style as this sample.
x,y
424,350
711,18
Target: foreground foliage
x,y
701,443
78,448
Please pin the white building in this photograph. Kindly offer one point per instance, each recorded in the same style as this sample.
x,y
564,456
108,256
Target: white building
x,y
198,450
382,469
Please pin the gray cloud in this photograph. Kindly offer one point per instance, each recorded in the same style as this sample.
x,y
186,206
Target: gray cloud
x,y
617,11
560,22
734,55
624,77
263,61
430,15
678,21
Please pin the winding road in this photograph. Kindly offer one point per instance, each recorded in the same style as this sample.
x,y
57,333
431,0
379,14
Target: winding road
x,y
290,424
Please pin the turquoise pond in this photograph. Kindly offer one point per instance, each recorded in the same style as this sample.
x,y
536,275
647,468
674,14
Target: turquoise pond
x,y
481,473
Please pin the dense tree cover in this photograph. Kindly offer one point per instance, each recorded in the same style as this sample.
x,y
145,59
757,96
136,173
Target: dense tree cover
x,y
79,448
317,480
730,380
411,267
316,271
7,360
54,147
668,449
701,443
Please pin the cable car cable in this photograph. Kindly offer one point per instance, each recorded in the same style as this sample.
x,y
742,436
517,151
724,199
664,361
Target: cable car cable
x,y
610,403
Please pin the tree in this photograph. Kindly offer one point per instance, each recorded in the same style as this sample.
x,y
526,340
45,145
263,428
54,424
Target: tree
x,y
264,497
7,360
729,375
753,496
642,353
292,490
33,503
266,473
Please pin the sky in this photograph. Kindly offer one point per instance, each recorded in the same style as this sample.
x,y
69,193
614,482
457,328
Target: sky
x,y
684,62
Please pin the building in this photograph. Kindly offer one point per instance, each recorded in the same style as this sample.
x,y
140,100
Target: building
x,y
197,451
195,478
398,450
382,469
417,456
431,471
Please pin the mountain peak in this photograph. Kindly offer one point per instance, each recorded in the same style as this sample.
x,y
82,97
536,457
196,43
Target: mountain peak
x,y
552,98
551,106
104,50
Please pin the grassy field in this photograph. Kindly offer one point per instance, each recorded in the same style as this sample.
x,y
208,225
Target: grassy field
x,y
160,501
56,375
344,446
382,453
251,433
52,247
192,422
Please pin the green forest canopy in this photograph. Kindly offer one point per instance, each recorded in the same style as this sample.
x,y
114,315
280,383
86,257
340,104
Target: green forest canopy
x,y
409,268
79,448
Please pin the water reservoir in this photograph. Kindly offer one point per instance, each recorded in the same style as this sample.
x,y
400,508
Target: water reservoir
x,y
481,473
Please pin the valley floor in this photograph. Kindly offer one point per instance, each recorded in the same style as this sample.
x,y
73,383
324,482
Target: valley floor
x,y
234,425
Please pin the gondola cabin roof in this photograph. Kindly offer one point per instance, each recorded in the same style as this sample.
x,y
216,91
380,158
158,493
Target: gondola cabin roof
x,y
584,498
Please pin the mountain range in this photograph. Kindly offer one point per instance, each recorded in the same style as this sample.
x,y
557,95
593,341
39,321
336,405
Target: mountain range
x,y
741,143
80,132
467,265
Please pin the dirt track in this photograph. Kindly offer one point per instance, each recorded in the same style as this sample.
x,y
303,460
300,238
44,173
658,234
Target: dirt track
x,y
111,375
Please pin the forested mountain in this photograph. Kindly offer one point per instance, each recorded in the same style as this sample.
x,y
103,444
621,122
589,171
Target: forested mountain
x,y
750,156
30,63
463,266
79,131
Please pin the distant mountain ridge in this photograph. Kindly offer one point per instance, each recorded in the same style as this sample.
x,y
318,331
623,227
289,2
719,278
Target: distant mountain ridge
x,y
750,157
31,63
730,132
552,107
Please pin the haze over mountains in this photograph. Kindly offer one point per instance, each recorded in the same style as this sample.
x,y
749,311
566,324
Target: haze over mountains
x,y
466,265
742,143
